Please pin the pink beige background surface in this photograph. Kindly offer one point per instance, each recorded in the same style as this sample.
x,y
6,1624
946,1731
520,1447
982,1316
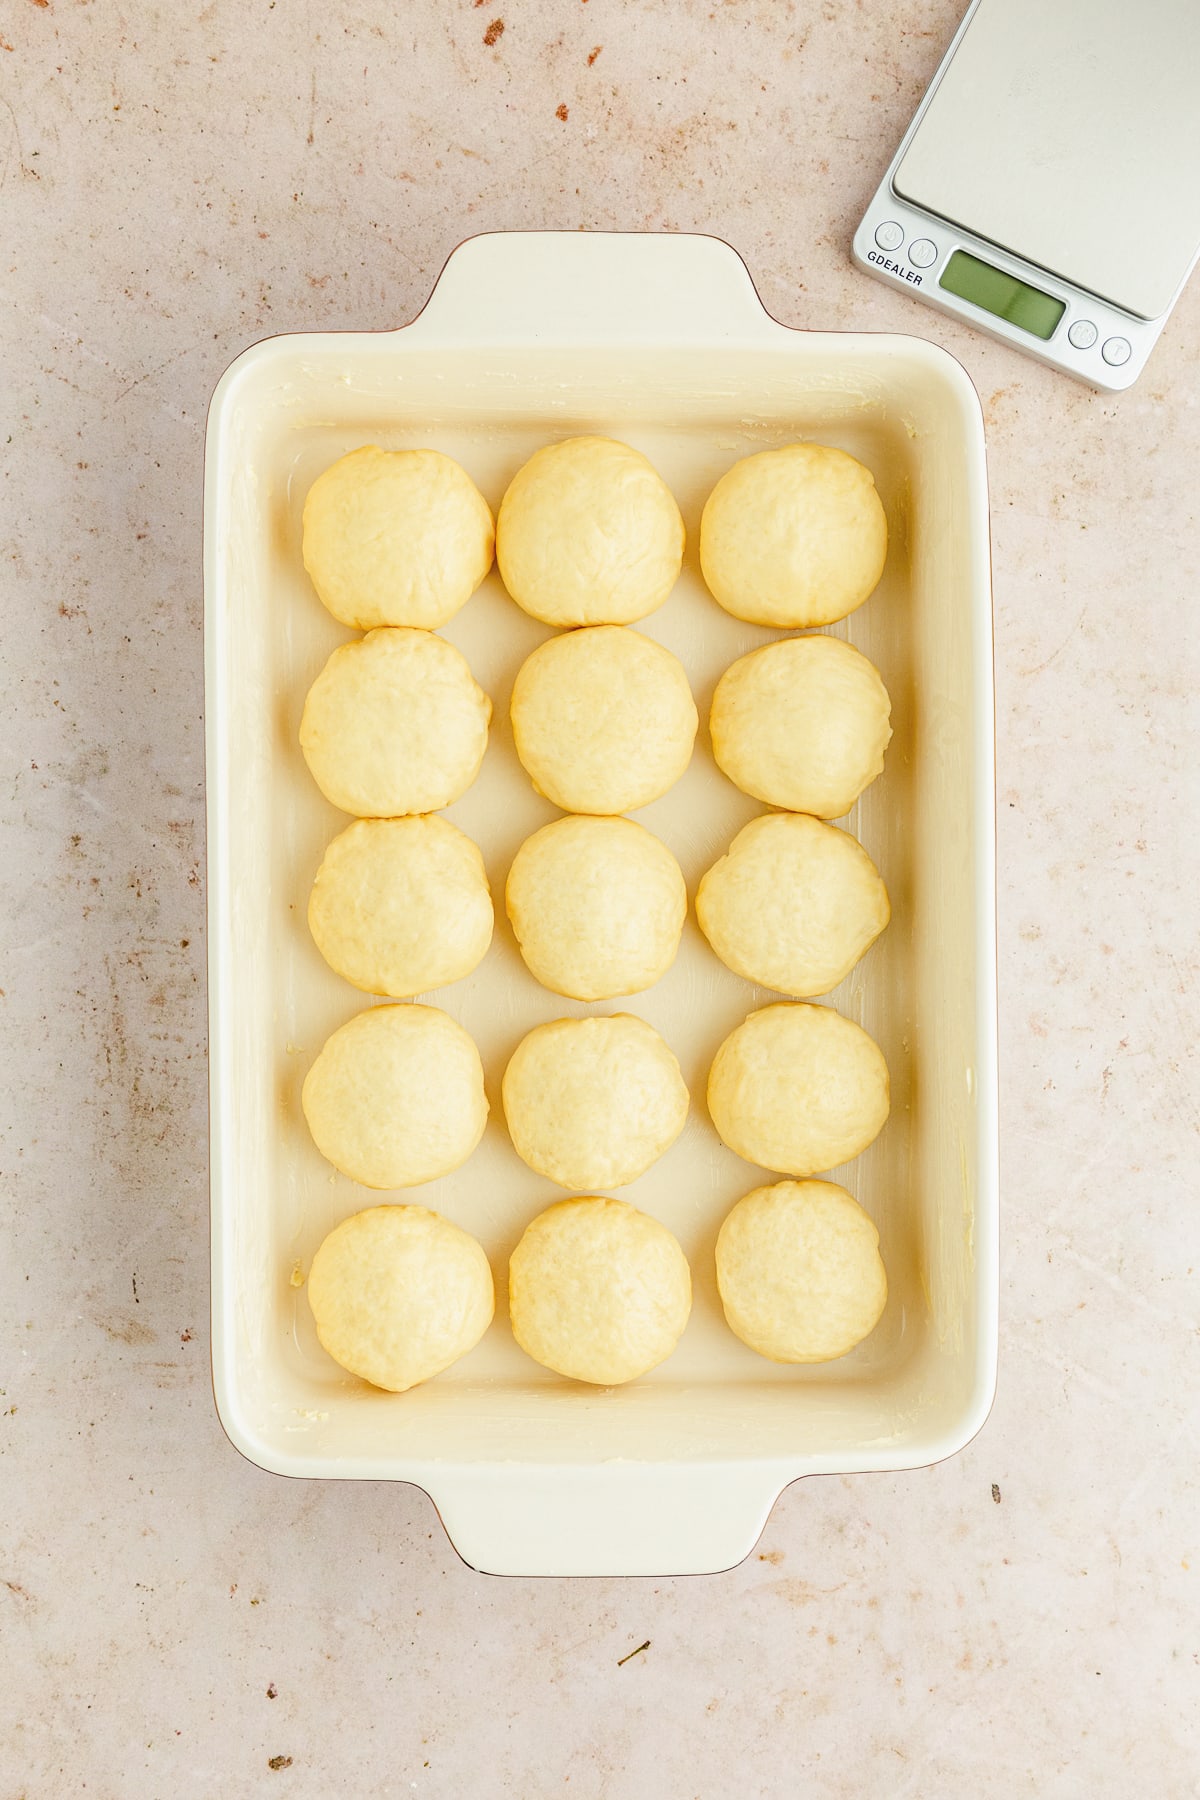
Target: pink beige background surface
x,y
176,182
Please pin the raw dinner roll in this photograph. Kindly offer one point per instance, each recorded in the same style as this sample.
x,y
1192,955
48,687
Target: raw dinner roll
x,y
793,537
792,904
588,534
398,1294
597,907
802,723
395,723
603,720
799,1272
593,1102
396,1097
396,537
598,1291
401,905
798,1088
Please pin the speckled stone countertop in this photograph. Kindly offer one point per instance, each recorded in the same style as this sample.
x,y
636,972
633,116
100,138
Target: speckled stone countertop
x,y
1023,1620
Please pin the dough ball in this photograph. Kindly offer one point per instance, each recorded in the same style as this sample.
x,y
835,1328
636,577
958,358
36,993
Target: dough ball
x,y
799,1272
603,720
398,1294
598,1291
597,907
798,1088
396,537
802,723
793,537
395,723
396,1097
401,905
593,1102
792,904
588,534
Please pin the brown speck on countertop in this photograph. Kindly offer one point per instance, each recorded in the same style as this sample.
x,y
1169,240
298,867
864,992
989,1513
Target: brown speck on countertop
x,y
279,1762
185,1337
560,112
995,1493
494,31
593,54
272,1692
621,1660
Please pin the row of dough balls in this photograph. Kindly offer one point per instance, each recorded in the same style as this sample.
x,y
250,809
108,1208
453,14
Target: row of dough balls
x,y
588,533
396,1096
598,1291
597,905
603,722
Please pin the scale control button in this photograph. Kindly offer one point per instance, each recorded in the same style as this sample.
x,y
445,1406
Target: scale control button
x,y
922,253
1116,351
889,235
1083,335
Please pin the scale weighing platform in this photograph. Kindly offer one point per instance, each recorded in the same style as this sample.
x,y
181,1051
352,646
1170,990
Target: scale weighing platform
x,y
1048,189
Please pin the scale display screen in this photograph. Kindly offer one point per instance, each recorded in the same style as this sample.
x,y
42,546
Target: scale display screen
x,y
996,292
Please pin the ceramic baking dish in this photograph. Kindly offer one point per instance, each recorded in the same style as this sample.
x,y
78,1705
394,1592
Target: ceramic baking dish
x,y
661,341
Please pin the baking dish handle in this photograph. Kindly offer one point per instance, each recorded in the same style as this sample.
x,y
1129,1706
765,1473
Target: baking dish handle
x,y
618,1518
576,287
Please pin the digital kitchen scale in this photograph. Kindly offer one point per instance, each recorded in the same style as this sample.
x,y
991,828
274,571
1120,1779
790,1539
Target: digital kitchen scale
x,y
1048,189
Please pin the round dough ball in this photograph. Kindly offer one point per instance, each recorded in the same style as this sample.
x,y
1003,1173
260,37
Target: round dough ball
x,y
799,1272
398,1294
395,723
588,534
396,1097
793,537
603,720
802,723
401,905
396,537
792,904
598,1291
593,1102
597,907
798,1088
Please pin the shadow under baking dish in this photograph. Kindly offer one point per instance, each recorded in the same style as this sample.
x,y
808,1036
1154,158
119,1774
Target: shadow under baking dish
x,y
297,409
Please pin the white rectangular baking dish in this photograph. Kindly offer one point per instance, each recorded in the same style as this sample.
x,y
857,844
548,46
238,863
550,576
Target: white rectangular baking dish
x,y
661,341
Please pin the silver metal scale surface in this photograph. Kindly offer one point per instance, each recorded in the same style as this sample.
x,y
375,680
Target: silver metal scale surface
x,y
1048,189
